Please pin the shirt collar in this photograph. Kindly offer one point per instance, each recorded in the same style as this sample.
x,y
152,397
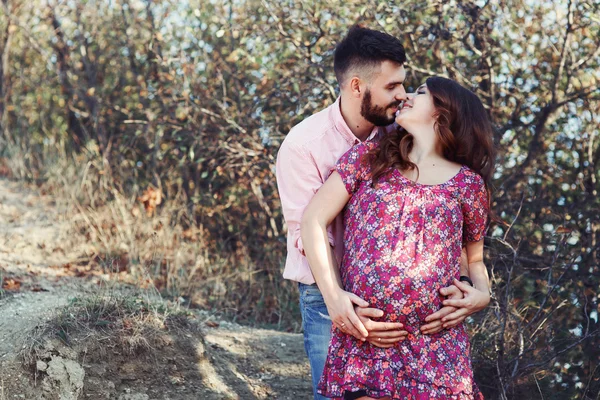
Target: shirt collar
x,y
343,128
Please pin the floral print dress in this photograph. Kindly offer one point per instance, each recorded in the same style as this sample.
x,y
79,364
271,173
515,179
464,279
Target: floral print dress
x,y
403,243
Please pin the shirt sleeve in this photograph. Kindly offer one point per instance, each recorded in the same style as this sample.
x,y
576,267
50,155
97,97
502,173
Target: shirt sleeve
x,y
475,209
352,167
298,179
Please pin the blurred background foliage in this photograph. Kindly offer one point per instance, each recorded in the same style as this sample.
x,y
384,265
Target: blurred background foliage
x,y
178,108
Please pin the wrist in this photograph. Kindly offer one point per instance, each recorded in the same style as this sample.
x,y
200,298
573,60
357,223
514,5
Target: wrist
x,y
331,293
464,278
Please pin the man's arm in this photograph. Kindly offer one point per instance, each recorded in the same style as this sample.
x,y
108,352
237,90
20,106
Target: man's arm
x,y
298,179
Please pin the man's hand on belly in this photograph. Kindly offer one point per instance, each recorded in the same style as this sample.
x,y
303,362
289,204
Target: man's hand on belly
x,y
381,334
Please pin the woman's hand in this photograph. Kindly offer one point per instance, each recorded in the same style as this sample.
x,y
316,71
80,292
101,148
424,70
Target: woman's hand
x,y
474,300
434,321
340,305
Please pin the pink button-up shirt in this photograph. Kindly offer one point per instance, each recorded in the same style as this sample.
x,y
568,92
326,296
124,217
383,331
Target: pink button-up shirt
x,y
305,160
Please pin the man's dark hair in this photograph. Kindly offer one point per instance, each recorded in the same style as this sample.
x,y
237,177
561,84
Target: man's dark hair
x,y
365,49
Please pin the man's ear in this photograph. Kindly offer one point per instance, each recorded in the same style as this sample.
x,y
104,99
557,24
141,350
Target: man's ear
x,y
355,85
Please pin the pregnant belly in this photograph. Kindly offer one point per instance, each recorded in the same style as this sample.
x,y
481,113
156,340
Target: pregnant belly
x,y
405,299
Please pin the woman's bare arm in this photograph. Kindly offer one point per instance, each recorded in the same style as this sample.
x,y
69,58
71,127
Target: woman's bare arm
x,y
326,204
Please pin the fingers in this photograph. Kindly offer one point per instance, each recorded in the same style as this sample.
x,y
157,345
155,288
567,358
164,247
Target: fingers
x,y
391,335
457,303
433,327
464,287
433,330
456,293
368,312
365,315
344,317
450,291
358,326
347,327
460,313
379,344
381,326
441,313
357,300
453,323
385,343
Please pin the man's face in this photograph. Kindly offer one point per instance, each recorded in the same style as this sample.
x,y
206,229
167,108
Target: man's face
x,y
384,94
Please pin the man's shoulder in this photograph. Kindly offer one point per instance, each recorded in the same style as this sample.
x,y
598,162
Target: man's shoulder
x,y
311,128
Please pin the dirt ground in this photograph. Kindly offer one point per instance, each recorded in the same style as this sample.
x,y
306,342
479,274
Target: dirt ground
x,y
43,270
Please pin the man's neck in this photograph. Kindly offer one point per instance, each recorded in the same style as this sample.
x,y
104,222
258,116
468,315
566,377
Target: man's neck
x,y
360,127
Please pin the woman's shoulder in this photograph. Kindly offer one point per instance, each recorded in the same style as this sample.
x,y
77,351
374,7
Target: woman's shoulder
x,y
471,175
470,181
367,145
358,151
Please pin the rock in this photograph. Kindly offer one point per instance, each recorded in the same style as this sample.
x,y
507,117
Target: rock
x,y
66,377
134,396
99,389
41,366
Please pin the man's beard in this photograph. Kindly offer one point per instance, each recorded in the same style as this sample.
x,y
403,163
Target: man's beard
x,y
376,115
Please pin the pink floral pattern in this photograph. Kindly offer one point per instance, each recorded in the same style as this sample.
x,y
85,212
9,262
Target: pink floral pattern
x,y
403,243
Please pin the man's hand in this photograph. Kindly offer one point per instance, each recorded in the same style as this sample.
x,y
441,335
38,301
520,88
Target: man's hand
x,y
474,300
434,321
340,305
381,334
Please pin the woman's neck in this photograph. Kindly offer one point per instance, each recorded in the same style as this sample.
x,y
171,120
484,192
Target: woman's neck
x,y
425,147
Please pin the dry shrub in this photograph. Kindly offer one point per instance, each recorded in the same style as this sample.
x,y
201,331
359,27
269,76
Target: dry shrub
x,y
151,239
132,322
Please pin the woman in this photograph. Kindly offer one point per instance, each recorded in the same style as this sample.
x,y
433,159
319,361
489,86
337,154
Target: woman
x,y
413,201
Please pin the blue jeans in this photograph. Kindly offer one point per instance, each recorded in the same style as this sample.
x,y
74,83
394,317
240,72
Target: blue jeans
x,y
317,331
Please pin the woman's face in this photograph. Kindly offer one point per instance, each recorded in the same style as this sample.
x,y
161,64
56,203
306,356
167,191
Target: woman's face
x,y
417,110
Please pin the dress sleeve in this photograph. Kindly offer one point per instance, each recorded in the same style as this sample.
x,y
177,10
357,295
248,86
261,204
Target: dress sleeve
x,y
475,208
351,167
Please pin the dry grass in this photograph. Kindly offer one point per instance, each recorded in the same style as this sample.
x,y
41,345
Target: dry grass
x,y
131,321
146,249
166,248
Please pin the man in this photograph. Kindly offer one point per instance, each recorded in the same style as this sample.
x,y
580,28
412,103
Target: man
x,y
369,67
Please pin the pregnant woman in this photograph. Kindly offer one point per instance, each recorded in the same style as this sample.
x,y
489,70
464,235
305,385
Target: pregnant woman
x,y
413,200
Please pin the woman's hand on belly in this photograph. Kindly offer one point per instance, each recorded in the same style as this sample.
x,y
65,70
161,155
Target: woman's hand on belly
x,y
434,321
474,300
340,305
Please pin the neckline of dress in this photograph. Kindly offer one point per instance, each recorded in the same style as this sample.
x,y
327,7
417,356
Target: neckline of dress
x,y
460,171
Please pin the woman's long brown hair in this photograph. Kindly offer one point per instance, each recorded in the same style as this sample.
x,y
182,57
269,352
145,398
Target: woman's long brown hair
x,y
462,126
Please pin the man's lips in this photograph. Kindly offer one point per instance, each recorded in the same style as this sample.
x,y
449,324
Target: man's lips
x,y
403,107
